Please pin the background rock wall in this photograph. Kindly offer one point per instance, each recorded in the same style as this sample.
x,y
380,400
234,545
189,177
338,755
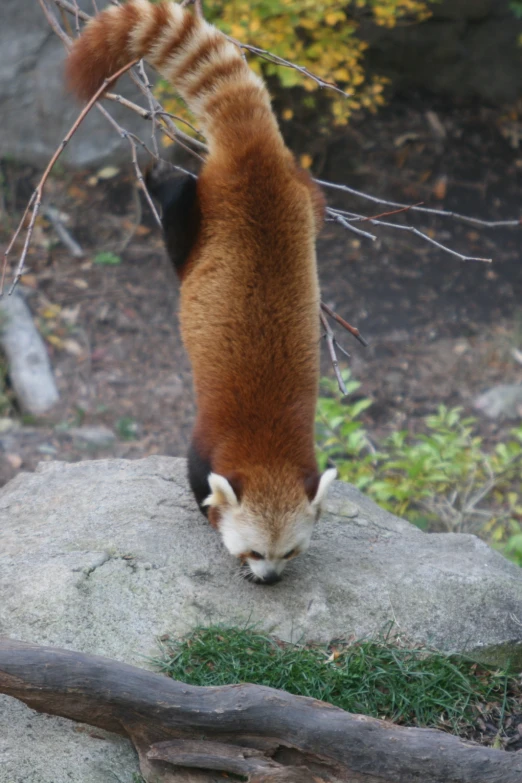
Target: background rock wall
x,y
468,49
35,110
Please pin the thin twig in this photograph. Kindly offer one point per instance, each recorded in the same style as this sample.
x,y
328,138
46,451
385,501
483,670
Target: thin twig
x,y
36,200
422,235
53,23
53,215
76,17
168,127
145,80
330,341
393,212
349,328
277,60
139,175
338,345
112,96
338,218
71,9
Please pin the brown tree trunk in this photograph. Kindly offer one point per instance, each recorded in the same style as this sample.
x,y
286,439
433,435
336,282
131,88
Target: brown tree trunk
x,y
264,734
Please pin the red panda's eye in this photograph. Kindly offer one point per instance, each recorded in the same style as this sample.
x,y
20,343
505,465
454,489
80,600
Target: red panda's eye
x,y
256,556
289,554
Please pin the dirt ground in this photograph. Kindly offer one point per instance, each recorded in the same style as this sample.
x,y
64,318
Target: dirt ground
x,y
440,330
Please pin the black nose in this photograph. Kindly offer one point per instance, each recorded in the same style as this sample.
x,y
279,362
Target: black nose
x,y
271,578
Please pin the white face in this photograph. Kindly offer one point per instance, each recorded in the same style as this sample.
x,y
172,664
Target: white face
x,y
265,556
263,550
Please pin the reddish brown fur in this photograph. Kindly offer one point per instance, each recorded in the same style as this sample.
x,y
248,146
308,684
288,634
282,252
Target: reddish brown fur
x,y
179,38
92,59
249,294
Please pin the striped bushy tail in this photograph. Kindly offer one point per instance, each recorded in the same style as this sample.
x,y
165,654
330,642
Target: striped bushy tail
x,y
230,102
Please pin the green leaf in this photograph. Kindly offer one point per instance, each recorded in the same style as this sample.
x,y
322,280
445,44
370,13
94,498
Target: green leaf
x,y
107,259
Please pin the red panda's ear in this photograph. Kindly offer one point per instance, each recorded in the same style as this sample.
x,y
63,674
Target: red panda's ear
x,y
324,483
221,492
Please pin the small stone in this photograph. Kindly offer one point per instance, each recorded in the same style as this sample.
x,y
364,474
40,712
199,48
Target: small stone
x,y
100,437
46,448
14,460
501,402
341,507
7,424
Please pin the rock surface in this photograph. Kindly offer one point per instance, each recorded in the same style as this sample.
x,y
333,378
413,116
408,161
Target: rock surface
x,y
35,108
467,49
106,556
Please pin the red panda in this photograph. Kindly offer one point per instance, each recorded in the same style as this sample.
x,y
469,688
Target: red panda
x,y
242,239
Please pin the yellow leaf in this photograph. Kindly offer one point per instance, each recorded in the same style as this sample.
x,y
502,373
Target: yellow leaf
x,y
51,311
288,114
54,340
30,281
306,161
333,17
108,172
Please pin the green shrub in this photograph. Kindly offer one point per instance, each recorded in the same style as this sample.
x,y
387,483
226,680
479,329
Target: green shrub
x,y
442,479
323,37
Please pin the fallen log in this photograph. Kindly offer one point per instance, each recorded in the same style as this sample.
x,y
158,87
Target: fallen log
x,y
267,735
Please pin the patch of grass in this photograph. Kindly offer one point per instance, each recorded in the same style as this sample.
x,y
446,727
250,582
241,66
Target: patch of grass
x,y
107,259
409,686
127,428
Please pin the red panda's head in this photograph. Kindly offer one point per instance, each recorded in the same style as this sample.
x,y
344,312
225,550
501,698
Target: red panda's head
x,y
269,522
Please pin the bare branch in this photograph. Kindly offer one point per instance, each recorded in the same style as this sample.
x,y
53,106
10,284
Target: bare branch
x,y
53,22
139,175
349,328
336,216
347,219
144,78
393,212
54,217
36,198
277,60
422,235
330,341
428,210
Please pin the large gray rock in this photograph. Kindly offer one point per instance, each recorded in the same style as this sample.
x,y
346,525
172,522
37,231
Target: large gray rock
x,y
468,49
38,748
35,109
104,556
107,556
